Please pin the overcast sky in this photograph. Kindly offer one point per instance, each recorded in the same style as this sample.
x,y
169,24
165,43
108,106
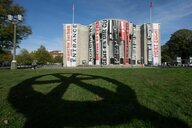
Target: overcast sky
x,y
46,17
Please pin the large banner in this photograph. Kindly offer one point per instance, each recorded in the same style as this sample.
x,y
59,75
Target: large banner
x,y
123,30
110,28
97,42
155,44
68,43
124,34
122,41
91,55
115,41
74,45
105,51
149,43
127,44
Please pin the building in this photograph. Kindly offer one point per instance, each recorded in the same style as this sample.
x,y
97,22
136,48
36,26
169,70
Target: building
x,y
55,53
112,42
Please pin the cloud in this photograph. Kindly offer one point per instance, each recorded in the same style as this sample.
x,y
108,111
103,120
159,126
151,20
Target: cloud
x,y
172,11
172,15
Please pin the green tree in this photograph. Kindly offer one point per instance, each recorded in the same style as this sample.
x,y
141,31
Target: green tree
x,y
179,45
25,57
42,55
165,57
58,59
5,56
6,27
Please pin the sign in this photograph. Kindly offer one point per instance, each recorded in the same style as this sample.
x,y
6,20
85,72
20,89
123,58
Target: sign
x,y
74,45
122,40
126,46
115,42
123,30
91,55
97,42
155,44
178,59
104,42
190,59
68,43
110,29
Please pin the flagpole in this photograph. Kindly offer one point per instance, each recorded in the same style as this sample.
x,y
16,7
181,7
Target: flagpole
x,y
150,11
73,14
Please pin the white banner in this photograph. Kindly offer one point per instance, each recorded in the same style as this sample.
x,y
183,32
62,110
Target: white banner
x,y
74,45
91,55
155,44
68,43
115,41
105,51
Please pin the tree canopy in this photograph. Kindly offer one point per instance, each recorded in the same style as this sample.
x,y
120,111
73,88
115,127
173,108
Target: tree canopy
x,y
42,55
179,45
25,57
6,27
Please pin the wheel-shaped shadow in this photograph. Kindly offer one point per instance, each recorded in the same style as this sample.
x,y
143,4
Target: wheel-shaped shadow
x,y
50,110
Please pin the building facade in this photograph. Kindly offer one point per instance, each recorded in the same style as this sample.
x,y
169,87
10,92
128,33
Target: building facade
x,y
111,42
55,53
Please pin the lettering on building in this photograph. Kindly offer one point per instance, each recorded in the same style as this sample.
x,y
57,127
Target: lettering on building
x,y
97,41
68,43
90,45
104,42
74,44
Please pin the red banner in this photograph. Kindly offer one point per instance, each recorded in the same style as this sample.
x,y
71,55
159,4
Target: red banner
x,y
123,30
97,41
126,47
155,42
68,42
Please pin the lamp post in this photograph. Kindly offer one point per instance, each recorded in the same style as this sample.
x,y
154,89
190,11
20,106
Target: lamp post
x,y
14,20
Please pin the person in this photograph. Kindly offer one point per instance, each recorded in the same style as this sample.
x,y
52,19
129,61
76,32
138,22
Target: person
x,y
34,65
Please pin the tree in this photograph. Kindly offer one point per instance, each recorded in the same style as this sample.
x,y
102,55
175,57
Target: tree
x,y
5,57
42,55
25,57
165,57
58,59
179,45
6,28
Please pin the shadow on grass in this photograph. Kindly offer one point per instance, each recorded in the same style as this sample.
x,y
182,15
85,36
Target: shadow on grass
x,y
50,110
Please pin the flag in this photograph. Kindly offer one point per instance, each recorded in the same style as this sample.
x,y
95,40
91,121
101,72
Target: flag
x,y
151,4
73,7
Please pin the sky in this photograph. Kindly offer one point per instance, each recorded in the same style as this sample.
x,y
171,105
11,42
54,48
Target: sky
x,y
46,17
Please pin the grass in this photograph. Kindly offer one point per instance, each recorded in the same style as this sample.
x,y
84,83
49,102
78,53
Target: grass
x,y
103,97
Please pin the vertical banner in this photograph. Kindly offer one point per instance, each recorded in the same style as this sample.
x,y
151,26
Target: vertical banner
x,y
97,42
124,28
105,52
149,44
122,41
126,46
155,44
91,55
74,45
68,43
110,28
115,41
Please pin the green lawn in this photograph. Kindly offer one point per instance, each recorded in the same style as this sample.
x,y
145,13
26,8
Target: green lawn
x,y
99,97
